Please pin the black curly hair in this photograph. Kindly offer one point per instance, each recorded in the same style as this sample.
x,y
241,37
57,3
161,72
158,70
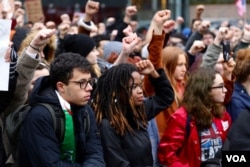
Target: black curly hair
x,y
61,69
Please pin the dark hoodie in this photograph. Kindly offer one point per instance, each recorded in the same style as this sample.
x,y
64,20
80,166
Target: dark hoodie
x,y
239,102
39,145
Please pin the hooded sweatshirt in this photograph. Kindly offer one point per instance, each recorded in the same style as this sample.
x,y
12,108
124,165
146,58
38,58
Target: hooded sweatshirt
x,y
239,101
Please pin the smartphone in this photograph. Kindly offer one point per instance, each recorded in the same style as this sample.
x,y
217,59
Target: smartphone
x,y
226,50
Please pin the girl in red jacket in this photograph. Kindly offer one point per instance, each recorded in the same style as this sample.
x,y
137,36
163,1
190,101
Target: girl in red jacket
x,y
208,124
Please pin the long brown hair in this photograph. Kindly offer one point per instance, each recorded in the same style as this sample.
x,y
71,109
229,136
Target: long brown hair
x,y
170,56
197,99
112,100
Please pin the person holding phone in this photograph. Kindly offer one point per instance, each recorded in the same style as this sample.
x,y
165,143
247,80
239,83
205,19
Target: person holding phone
x,y
214,58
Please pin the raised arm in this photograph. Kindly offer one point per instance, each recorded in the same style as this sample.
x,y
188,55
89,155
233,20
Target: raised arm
x,y
26,66
158,26
128,45
86,24
129,12
197,35
212,54
164,94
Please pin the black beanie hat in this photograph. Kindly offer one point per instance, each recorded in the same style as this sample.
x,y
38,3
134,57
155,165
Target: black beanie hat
x,y
78,43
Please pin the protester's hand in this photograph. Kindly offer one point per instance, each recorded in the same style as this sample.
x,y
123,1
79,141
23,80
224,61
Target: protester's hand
x,y
128,30
65,17
229,65
50,24
63,30
204,26
110,21
75,18
7,56
91,8
101,28
40,39
145,67
197,47
200,9
246,34
223,34
129,43
168,26
179,20
18,13
228,68
159,19
130,11
113,34
196,25
237,34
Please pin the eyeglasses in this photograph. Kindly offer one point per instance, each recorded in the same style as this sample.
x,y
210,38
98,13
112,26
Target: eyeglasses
x,y
219,87
83,83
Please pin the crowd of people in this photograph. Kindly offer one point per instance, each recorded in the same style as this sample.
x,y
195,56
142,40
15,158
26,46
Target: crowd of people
x,y
157,97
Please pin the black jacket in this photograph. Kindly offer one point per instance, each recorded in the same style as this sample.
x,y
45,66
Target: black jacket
x,y
39,145
134,150
238,136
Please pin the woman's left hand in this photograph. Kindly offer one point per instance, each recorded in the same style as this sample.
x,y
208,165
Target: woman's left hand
x,y
145,67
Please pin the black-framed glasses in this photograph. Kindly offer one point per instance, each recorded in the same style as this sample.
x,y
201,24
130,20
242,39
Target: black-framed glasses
x,y
219,87
84,83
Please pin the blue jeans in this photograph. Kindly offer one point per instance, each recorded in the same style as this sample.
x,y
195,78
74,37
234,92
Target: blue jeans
x,y
154,139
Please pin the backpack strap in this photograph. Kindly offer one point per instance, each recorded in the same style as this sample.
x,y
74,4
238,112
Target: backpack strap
x,y
58,119
188,127
6,143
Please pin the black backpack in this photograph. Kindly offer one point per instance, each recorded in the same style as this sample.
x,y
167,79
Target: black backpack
x,y
15,119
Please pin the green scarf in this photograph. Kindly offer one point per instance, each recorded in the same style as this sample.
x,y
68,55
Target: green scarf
x,y
68,147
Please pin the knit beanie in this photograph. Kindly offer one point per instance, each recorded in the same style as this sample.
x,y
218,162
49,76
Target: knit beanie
x,y
78,43
112,47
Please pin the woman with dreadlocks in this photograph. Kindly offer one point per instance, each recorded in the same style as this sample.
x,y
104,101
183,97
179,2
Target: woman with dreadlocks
x,y
122,112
